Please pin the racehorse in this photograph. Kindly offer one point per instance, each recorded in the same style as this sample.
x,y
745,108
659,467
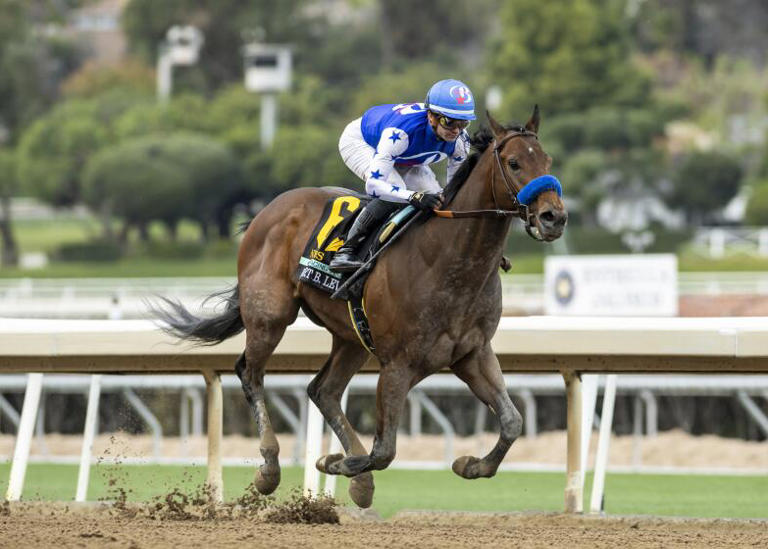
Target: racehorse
x,y
433,302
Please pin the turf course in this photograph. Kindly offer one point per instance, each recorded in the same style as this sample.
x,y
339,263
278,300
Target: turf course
x,y
396,490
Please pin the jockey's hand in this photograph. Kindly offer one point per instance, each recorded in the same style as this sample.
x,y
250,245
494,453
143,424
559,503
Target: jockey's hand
x,y
426,201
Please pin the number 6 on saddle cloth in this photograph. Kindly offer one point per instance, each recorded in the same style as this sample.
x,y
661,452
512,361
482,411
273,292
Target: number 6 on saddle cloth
x,y
329,235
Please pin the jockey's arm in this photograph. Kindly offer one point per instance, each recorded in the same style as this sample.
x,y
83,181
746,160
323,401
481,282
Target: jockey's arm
x,y
459,155
382,180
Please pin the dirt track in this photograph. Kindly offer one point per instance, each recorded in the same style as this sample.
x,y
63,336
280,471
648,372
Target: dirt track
x,y
42,525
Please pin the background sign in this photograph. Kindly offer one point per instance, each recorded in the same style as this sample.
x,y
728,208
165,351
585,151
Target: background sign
x,y
611,285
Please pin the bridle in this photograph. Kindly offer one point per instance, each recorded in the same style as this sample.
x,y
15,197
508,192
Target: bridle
x,y
518,209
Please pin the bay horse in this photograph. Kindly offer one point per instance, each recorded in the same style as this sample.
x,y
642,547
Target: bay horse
x,y
433,302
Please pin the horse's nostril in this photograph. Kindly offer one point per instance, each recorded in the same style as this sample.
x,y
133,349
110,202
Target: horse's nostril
x,y
552,218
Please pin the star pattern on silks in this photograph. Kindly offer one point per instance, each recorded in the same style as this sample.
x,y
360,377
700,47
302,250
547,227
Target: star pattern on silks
x,y
394,137
458,158
374,195
395,188
376,174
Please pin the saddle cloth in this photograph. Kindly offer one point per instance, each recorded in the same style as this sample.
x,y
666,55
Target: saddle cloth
x,y
329,235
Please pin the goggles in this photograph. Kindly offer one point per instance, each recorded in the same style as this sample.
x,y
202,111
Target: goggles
x,y
451,123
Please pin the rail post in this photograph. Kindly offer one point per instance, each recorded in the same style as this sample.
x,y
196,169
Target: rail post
x,y
573,485
215,428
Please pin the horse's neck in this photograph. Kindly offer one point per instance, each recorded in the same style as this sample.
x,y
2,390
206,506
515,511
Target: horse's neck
x,y
476,243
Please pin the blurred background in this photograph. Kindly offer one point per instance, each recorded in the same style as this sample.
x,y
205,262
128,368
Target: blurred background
x,y
135,135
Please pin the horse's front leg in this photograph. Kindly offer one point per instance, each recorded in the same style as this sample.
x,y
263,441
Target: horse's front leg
x,y
395,381
480,370
325,391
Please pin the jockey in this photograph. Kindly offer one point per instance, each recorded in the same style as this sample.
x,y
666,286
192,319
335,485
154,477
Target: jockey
x,y
390,148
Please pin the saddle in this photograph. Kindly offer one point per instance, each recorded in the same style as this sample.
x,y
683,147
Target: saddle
x,y
328,237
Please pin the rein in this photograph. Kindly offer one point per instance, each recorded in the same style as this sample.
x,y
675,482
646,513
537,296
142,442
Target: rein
x,y
520,210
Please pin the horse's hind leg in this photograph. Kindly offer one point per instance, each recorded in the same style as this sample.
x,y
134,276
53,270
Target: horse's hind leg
x,y
395,381
326,390
265,323
481,372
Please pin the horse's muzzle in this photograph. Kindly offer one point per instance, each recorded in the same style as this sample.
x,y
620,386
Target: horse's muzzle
x,y
551,222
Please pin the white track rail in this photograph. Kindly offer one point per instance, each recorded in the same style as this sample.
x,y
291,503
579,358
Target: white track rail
x,y
570,346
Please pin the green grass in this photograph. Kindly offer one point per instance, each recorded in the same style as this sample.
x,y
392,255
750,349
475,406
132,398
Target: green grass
x,y
131,267
396,490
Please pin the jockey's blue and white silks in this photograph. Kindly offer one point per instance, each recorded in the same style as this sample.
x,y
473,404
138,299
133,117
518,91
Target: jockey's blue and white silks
x,y
400,145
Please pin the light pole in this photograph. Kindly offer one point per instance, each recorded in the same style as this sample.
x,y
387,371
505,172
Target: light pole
x,y
268,69
181,47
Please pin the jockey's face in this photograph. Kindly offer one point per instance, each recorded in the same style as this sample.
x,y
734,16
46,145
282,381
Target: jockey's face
x,y
446,132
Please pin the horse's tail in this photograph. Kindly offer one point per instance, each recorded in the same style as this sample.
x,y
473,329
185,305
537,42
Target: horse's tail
x,y
181,323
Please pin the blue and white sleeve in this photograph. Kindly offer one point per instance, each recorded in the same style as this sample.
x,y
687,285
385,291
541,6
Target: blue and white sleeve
x,y
393,143
459,155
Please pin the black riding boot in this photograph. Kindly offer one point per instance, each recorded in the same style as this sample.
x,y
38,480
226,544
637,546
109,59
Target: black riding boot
x,y
346,259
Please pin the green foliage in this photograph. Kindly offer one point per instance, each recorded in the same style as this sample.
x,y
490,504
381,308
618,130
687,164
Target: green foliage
x,y
568,56
581,174
405,85
55,148
93,79
164,178
757,207
174,250
8,179
95,250
417,29
224,24
135,181
307,156
704,182
32,64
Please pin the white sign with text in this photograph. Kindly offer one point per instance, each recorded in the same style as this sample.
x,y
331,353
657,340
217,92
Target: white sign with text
x,y
611,285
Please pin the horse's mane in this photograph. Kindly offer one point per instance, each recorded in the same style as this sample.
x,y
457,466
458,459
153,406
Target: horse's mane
x,y
479,142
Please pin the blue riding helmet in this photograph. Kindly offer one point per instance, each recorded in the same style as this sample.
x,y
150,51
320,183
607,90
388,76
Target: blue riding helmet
x,y
452,98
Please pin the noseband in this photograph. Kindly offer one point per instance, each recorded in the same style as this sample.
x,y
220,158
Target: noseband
x,y
519,209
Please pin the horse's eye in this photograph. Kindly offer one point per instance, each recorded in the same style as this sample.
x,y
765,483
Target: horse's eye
x,y
513,164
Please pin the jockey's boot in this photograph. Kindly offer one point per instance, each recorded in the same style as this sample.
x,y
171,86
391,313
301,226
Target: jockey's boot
x,y
346,259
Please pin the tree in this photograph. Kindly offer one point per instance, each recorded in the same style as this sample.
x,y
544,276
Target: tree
x,y
54,149
704,183
32,64
9,256
420,29
164,178
307,156
212,177
565,55
757,207
136,184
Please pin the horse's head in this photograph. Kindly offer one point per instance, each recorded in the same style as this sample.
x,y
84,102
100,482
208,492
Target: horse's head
x,y
523,182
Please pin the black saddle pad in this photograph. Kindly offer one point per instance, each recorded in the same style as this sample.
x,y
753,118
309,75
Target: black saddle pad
x,y
329,235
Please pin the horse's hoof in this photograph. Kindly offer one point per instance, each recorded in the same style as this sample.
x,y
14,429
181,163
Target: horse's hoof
x,y
267,479
352,466
361,490
325,462
466,467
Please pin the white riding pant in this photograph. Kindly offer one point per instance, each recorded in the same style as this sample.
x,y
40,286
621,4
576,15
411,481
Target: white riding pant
x,y
358,155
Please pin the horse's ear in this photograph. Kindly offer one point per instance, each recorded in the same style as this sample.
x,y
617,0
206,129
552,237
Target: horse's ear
x,y
533,122
498,129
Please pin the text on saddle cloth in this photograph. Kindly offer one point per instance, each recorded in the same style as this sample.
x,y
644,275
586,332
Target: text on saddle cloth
x,y
329,235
